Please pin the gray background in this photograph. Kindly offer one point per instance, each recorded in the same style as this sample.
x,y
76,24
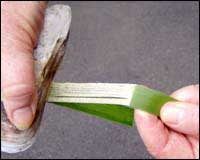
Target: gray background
x,y
151,43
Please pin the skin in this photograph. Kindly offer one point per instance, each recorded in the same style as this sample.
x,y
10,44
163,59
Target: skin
x,y
21,23
176,133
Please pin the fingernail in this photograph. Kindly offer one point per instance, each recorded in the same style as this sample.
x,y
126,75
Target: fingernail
x,y
20,105
171,114
145,118
23,117
144,114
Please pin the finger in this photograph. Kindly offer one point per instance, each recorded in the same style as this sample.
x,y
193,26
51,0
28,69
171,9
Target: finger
x,y
195,145
161,142
188,94
182,117
17,67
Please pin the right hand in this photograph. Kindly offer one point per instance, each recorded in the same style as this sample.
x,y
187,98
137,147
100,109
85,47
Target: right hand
x,y
176,135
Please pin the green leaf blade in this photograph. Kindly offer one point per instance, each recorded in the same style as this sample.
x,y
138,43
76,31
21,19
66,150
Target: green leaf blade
x,y
115,113
114,102
149,100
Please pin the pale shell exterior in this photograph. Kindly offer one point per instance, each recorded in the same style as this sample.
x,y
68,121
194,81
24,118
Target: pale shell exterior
x,y
47,55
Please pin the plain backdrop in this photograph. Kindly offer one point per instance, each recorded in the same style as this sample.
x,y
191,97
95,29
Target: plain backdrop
x,y
150,43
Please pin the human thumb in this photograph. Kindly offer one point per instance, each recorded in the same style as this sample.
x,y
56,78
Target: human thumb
x,y
21,23
182,117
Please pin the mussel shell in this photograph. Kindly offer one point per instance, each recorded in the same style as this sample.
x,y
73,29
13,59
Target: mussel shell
x,y
47,56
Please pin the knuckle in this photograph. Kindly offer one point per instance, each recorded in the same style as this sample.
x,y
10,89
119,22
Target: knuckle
x,y
18,90
18,96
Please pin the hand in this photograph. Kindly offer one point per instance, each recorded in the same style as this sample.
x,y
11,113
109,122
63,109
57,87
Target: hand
x,y
20,27
176,135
